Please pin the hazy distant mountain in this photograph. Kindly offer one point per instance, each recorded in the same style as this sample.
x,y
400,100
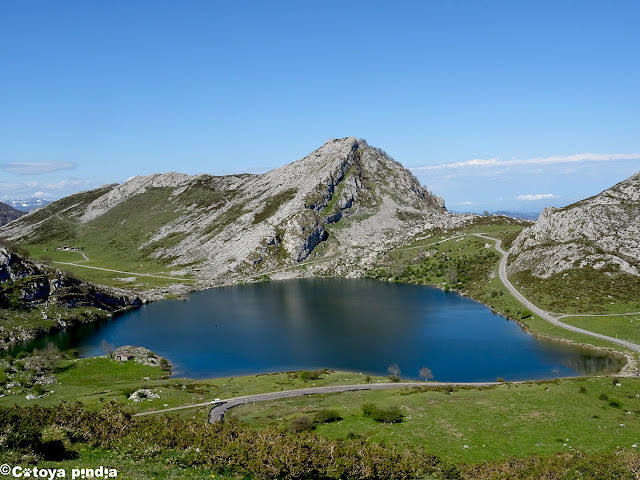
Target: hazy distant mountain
x,y
28,205
602,232
507,213
345,198
524,215
8,213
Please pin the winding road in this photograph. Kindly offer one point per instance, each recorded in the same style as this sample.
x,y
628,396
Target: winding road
x,y
216,415
543,313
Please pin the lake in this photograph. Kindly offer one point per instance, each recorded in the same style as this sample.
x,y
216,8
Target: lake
x,y
359,325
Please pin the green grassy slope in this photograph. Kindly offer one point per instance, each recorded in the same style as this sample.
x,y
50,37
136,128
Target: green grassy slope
x,y
471,425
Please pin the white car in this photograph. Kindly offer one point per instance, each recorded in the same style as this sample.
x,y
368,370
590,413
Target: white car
x,y
217,400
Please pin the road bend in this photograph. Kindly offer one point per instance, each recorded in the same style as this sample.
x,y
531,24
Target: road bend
x,y
216,415
543,313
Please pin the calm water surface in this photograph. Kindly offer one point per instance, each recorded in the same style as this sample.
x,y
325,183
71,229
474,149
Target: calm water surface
x,y
360,325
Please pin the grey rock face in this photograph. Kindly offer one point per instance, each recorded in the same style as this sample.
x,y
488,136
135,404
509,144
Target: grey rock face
x,y
343,195
602,231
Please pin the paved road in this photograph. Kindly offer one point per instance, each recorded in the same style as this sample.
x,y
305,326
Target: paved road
x,y
543,313
217,413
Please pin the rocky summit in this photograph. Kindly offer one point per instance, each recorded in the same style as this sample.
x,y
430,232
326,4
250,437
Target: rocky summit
x,y
344,199
602,232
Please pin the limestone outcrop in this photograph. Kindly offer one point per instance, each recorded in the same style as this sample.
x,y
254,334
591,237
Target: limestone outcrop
x,y
602,232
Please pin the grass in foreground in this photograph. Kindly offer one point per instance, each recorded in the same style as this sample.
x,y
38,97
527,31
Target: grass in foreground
x,y
472,425
581,420
163,447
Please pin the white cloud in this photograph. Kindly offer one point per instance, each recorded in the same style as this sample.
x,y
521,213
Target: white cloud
x,y
537,196
556,159
37,189
36,168
62,184
40,195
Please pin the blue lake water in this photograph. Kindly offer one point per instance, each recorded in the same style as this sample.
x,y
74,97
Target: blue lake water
x,y
360,325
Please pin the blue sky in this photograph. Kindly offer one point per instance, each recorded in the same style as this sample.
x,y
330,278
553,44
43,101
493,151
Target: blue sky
x,y
494,104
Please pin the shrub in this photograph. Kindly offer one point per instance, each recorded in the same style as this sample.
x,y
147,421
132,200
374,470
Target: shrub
x,y
603,396
582,390
615,404
326,416
525,314
38,389
164,365
310,374
394,378
367,379
300,424
384,415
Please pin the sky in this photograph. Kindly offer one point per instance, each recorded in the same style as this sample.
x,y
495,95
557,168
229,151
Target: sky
x,y
494,105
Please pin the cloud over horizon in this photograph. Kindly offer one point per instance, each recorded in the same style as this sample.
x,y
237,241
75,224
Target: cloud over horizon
x,y
537,196
38,189
36,168
552,160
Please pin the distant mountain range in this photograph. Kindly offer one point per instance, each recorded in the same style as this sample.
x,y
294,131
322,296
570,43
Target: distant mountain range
x,y
523,215
533,216
28,205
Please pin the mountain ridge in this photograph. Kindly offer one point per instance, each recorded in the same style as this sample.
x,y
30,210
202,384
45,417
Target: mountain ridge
x,y
602,231
344,194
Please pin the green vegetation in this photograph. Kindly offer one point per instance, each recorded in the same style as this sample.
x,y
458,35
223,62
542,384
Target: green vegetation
x,y
625,327
69,434
43,319
470,424
390,414
582,290
273,203
94,381
460,424
112,240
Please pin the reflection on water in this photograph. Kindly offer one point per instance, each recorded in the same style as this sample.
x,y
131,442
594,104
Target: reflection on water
x,y
360,325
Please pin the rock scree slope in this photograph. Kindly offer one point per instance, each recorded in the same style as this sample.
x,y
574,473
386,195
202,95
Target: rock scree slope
x,y
601,232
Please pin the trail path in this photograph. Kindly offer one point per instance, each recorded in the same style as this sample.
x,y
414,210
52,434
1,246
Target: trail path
x,y
137,274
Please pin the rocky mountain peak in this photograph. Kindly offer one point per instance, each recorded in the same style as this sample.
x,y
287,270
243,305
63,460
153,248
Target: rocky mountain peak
x,y
344,195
